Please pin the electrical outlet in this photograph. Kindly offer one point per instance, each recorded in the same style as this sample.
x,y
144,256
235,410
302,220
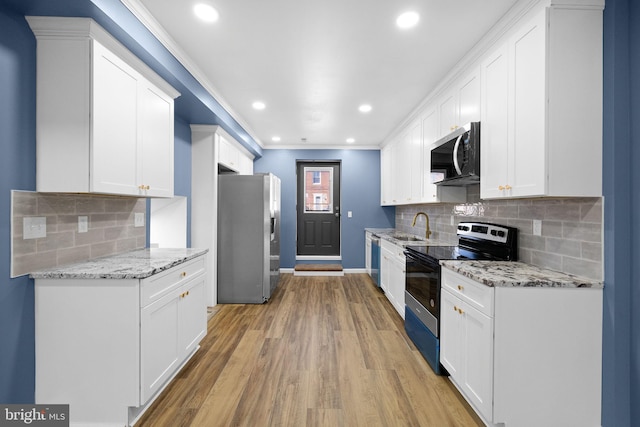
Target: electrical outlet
x,y
83,224
34,227
138,220
537,227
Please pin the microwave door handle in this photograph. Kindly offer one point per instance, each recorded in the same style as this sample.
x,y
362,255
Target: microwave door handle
x,y
455,155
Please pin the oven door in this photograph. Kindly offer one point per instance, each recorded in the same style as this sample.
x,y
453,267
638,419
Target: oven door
x,y
422,294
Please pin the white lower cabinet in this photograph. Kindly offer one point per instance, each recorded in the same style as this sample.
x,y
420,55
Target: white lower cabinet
x,y
107,347
170,329
523,356
392,274
467,347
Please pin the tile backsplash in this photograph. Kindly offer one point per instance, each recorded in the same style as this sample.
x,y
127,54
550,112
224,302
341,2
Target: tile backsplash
x,y
110,229
571,238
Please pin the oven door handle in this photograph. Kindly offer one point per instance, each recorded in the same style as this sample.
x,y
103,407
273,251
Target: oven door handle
x,y
421,261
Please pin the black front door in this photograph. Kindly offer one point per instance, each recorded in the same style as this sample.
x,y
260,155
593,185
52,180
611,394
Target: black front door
x,y
318,208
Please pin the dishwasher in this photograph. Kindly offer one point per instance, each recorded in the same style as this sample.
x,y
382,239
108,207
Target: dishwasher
x,y
375,260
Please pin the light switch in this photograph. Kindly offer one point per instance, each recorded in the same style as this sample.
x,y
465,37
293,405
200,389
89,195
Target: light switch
x,y
34,227
349,214
138,220
83,224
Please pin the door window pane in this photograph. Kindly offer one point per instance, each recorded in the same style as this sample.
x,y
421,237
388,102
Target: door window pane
x,y
318,189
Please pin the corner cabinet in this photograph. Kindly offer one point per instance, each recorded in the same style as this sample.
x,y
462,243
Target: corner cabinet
x,y
104,121
108,347
542,108
523,356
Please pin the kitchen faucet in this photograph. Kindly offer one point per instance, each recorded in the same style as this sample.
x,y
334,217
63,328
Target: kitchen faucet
x,y
427,233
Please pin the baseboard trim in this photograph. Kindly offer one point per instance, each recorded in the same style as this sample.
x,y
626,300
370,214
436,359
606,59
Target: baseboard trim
x,y
345,271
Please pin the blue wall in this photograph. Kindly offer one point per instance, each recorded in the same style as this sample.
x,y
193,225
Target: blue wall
x,y
17,172
360,191
621,336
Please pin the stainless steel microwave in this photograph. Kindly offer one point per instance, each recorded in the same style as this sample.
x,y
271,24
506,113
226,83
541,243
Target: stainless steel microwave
x,y
455,159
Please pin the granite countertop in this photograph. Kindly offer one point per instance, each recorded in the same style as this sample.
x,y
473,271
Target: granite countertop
x,y
518,274
129,265
390,234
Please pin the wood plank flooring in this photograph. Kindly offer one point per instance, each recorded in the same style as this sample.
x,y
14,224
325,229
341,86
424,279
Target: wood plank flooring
x,y
324,351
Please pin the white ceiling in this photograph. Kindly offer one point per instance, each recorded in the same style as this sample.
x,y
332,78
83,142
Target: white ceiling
x,y
313,62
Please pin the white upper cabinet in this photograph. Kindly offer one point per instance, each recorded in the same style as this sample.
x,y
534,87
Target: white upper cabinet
x,y
541,126
432,193
105,121
386,175
231,155
461,104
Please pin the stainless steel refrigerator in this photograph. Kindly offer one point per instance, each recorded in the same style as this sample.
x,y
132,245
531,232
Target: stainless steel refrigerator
x,y
248,237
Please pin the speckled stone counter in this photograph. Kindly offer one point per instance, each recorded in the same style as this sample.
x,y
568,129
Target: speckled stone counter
x,y
129,265
517,274
390,234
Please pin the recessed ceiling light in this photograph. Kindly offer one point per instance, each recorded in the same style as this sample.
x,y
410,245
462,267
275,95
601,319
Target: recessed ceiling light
x,y
364,108
206,12
275,139
351,140
407,20
258,105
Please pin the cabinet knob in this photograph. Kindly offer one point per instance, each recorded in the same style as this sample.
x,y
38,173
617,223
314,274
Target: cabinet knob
x,y
460,311
183,274
455,308
500,187
507,187
460,288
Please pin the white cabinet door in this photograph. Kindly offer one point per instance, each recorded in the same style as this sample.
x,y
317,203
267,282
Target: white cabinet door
x,y
156,142
466,350
414,162
227,154
429,136
527,158
246,165
448,109
192,320
469,99
494,127
401,170
386,175
397,283
160,346
385,269
477,344
115,124
451,350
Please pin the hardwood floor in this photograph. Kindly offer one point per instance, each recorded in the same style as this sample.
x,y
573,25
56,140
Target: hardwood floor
x,y
325,351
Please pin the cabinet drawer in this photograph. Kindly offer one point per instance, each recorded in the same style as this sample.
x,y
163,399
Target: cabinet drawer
x,y
475,294
156,286
395,252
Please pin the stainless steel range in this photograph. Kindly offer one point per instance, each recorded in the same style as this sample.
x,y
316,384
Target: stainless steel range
x,y
476,241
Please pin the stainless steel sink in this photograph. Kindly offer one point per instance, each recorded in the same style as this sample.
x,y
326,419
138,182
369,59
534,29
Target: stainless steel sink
x,y
406,238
